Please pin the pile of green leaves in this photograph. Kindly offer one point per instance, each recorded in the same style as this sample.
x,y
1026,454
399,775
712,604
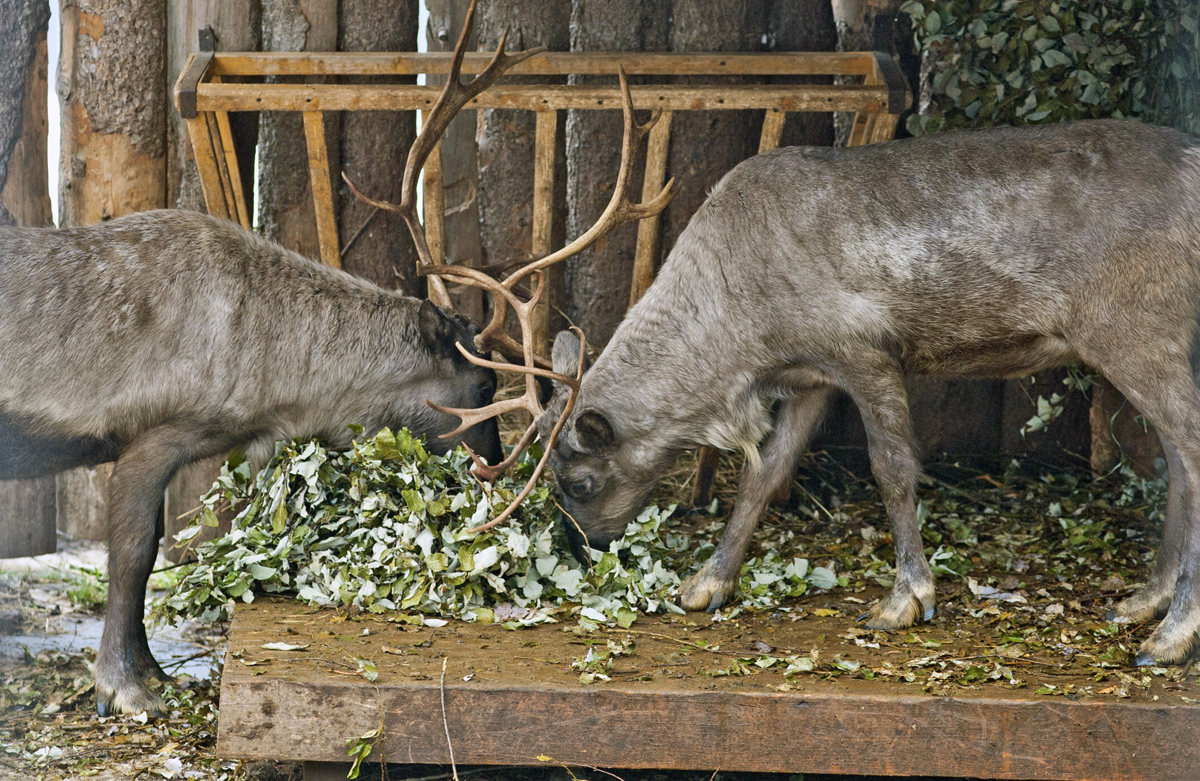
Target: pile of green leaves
x,y
1016,62
383,526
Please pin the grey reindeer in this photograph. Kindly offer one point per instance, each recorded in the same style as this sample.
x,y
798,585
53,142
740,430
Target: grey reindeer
x,y
994,253
166,337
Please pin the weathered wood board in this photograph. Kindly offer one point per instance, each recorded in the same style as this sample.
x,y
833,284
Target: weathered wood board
x,y
512,696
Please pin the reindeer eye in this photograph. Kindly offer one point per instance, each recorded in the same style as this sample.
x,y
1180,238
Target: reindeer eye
x,y
485,394
580,489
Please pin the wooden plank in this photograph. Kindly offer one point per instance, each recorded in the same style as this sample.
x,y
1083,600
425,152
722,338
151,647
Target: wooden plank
x,y
231,166
434,201
646,253
536,97
511,697
884,128
772,130
214,132
548,64
206,164
545,148
318,171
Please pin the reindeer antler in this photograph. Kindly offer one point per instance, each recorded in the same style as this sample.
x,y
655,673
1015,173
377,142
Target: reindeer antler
x,y
453,97
621,209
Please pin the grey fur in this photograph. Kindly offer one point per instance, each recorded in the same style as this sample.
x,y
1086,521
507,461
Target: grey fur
x,y
166,337
994,253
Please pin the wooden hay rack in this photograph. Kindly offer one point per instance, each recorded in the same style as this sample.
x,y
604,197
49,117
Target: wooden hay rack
x,y
204,95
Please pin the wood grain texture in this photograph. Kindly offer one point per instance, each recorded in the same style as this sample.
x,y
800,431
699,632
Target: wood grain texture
x,y
518,705
318,171
550,63
434,202
772,130
545,150
387,97
649,236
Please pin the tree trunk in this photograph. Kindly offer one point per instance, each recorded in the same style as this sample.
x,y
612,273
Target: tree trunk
x,y
285,205
705,145
460,161
112,91
374,147
27,516
597,280
804,26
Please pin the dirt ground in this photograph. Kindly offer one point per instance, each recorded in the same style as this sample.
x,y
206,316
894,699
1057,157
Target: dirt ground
x,y
1029,562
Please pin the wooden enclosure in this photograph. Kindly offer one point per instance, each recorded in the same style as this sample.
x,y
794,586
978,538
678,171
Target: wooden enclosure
x,y
213,84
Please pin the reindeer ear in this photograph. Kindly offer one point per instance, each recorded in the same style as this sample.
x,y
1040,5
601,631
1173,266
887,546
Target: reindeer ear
x,y
437,331
565,354
593,432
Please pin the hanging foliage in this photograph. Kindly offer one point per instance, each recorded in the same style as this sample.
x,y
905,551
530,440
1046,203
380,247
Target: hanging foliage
x,y
1008,62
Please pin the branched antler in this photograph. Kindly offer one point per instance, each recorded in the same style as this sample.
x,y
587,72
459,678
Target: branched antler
x,y
621,209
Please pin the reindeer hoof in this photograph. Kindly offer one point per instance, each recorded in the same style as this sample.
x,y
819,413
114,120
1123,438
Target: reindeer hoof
x,y
129,699
705,592
904,607
1145,604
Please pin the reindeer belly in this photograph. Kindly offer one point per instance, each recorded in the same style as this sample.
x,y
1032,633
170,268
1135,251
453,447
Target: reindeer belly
x,y
1011,356
26,451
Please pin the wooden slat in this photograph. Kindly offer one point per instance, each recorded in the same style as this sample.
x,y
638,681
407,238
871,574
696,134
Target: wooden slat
x,y
434,203
318,171
231,166
512,697
531,97
646,253
206,164
214,132
884,128
543,217
547,64
772,130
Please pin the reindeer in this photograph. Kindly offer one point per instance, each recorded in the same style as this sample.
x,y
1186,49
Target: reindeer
x,y
166,337
994,253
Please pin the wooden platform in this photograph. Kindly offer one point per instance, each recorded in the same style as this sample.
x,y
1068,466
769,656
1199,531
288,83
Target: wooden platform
x,y
512,697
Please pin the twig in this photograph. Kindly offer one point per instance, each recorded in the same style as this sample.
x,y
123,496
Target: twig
x,y
446,724
673,639
357,233
191,658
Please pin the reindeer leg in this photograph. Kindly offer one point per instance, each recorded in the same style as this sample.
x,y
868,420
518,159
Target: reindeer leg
x,y
717,580
1153,599
876,384
125,664
1159,383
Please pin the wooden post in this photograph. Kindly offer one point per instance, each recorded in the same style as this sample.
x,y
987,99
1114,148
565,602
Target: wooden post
x,y
645,257
434,201
112,89
544,153
27,517
322,193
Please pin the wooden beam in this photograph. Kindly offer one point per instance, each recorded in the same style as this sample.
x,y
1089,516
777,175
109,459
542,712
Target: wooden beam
x,y
772,130
206,164
318,171
545,149
547,64
534,97
509,702
434,201
646,254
